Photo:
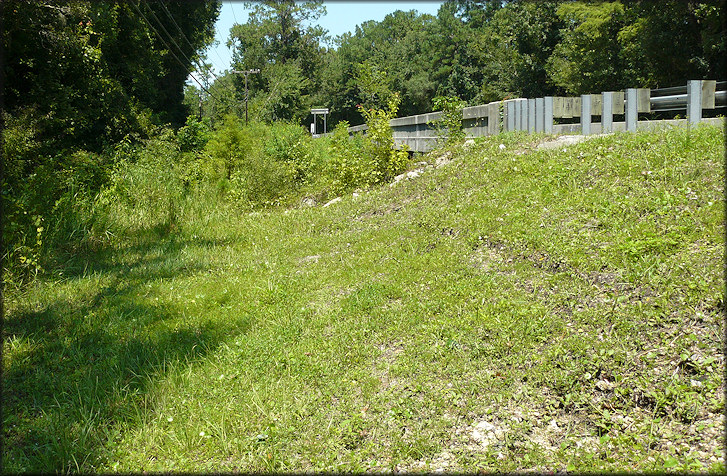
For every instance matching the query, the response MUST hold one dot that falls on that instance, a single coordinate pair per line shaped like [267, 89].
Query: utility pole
[246, 72]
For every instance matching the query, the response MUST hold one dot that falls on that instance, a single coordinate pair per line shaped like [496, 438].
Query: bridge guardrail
[540, 114]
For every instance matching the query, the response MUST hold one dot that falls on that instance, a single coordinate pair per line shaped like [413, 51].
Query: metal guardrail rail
[675, 98]
[419, 133]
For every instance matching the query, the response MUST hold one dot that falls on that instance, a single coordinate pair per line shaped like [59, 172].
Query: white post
[585, 114]
[607, 113]
[632, 115]
[510, 115]
[493, 118]
[531, 115]
[548, 115]
[539, 114]
[694, 101]
[523, 114]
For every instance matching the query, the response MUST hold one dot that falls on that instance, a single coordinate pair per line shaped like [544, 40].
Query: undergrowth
[515, 309]
[79, 201]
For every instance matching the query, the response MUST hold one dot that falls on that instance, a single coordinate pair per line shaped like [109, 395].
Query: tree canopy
[87, 73]
[476, 50]
[278, 40]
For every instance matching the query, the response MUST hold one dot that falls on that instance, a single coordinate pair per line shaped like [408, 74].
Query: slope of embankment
[514, 308]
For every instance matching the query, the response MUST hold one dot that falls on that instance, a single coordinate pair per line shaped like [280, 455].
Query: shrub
[230, 144]
[449, 127]
[290, 144]
[145, 189]
[193, 136]
[349, 166]
[379, 141]
[251, 175]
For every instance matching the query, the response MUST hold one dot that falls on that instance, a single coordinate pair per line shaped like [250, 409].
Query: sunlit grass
[570, 298]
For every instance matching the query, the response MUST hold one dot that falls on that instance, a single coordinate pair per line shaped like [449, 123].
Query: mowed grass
[515, 309]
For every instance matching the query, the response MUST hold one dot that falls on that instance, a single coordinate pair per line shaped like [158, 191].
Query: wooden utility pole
[246, 72]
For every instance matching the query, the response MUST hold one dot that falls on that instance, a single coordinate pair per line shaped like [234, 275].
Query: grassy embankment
[514, 309]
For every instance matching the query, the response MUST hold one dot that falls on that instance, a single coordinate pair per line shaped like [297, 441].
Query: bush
[349, 166]
[379, 142]
[45, 197]
[193, 136]
[261, 164]
[449, 127]
[290, 144]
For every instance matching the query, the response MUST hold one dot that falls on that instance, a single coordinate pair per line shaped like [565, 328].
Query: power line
[170, 50]
[232, 8]
[271, 95]
[233, 11]
[166, 10]
[185, 36]
[216, 52]
[172, 39]
[177, 58]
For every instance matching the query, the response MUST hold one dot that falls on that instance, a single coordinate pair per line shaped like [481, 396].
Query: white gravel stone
[335, 200]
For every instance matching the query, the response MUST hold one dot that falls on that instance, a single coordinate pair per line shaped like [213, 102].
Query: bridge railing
[610, 111]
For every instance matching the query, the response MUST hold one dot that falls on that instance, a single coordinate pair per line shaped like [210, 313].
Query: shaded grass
[519, 287]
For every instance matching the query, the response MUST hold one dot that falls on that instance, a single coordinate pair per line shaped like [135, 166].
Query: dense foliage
[137, 199]
[82, 80]
[476, 50]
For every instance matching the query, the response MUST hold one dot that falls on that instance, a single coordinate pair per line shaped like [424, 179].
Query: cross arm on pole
[246, 72]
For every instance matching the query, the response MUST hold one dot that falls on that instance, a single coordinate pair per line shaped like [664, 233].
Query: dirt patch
[389, 354]
[565, 141]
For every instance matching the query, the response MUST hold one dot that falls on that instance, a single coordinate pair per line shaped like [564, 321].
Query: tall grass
[82, 201]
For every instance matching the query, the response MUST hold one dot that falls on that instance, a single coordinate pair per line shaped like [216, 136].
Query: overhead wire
[200, 68]
[222, 39]
[169, 14]
[170, 50]
[191, 62]
[233, 11]
[146, 20]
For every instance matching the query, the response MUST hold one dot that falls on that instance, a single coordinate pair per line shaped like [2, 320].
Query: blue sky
[342, 16]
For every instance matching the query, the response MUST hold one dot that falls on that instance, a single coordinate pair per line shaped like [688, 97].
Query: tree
[613, 45]
[80, 77]
[520, 38]
[667, 43]
[398, 46]
[288, 53]
[88, 69]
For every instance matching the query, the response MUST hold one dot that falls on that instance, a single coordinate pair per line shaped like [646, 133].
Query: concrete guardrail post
[548, 114]
[632, 115]
[523, 114]
[694, 101]
[510, 115]
[539, 114]
[531, 115]
[607, 113]
[493, 118]
[585, 114]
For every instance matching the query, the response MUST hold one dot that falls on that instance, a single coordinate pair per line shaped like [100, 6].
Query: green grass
[572, 299]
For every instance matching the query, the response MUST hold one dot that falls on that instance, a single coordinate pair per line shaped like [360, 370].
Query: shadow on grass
[87, 364]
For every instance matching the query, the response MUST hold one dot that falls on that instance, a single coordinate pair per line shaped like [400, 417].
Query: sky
[342, 16]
